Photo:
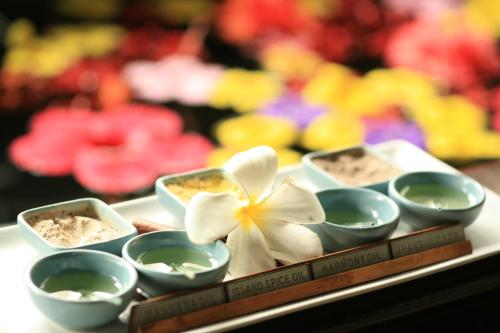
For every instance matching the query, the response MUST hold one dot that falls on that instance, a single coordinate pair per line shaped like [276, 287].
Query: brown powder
[357, 169]
[69, 230]
[187, 188]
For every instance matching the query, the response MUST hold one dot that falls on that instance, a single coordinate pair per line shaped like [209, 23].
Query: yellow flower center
[251, 214]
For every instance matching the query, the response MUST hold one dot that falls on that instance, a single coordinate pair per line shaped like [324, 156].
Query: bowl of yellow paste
[176, 191]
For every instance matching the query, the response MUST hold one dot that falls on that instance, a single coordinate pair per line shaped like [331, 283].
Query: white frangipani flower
[263, 227]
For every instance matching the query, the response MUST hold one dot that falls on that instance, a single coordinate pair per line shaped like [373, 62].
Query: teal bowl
[419, 216]
[74, 314]
[170, 201]
[379, 208]
[324, 180]
[155, 282]
[93, 206]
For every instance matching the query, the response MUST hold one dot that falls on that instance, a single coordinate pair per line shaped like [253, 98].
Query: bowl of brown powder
[357, 166]
[78, 224]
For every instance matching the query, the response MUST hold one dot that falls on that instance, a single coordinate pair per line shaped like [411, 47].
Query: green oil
[351, 219]
[436, 196]
[177, 259]
[81, 285]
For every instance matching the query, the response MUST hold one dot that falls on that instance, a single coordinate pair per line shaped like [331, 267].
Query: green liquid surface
[351, 219]
[81, 285]
[436, 196]
[177, 259]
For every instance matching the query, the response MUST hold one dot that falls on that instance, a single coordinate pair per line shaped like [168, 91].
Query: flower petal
[291, 243]
[114, 170]
[255, 170]
[249, 251]
[210, 216]
[292, 203]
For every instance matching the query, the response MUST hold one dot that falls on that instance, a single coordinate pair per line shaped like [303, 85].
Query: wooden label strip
[267, 281]
[157, 309]
[427, 239]
[330, 272]
[338, 263]
[312, 288]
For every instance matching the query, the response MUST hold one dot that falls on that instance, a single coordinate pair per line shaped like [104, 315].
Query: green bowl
[81, 315]
[336, 237]
[419, 216]
[103, 211]
[156, 282]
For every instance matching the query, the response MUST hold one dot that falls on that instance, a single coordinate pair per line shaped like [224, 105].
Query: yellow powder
[69, 230]
[187, 188]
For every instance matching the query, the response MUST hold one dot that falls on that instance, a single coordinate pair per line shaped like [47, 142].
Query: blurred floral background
[101, 97]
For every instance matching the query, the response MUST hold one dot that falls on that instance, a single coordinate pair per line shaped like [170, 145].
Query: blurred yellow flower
[319, 8]
[221, 155]
[450, 114]
[484, 15]
[247, 131]
[381, 88]
[51, 54]
[456, 129]
[330, 86]
[93, 40]
[244, 90]
[94, 9]
[182, 11]
[475, 145]
[19, 32]
[290, 61]
[337, 87]
[333, 130]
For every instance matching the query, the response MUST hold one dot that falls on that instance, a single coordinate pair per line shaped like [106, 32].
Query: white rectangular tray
[18, 314]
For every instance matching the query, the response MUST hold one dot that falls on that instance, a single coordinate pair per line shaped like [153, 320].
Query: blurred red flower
[358, 28]
[19, 90]
[242, 21]
[457, 56]
[152, 42]
[121, 150]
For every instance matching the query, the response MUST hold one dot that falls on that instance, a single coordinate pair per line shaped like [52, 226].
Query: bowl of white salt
[86, 223]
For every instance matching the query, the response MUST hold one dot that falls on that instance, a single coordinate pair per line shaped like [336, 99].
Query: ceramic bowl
[156, 282]
[419, 216]
[379, 207]
[324, 180]
[81, 315]
[87, 205]
[172, 202]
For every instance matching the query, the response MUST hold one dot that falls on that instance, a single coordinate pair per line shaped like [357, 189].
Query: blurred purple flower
[293, 107]
[380, 131]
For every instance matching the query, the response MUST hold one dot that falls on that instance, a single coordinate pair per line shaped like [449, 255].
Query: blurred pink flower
[121, 150]
[458, 57]
[181, 78]
[424, 8]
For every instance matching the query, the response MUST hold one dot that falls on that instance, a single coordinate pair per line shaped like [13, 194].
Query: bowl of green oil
[428, 199]
[167, 261]
[354, 217]
[81, 289]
